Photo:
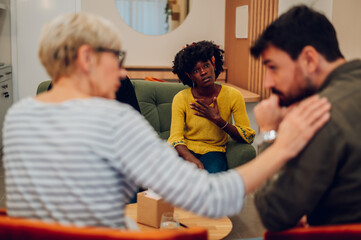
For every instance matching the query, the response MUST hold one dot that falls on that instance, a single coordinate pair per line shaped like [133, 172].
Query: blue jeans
[213, 162]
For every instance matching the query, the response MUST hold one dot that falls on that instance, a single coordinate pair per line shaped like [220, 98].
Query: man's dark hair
[299, 27]
[186, 59]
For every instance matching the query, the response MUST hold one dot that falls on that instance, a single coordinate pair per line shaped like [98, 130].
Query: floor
[246, 224]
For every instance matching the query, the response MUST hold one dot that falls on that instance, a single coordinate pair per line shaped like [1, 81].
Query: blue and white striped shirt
[79, 161]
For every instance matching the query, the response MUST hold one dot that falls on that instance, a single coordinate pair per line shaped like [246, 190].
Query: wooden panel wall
[262, 12]
[243, 70]
[236, 50]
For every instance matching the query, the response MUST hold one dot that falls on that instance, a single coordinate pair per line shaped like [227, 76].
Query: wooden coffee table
[217, 228]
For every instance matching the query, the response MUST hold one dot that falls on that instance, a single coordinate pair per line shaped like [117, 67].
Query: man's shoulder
[343, 83]
[343, 92]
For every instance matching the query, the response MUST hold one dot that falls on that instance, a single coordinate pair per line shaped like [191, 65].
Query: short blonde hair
[62, 37]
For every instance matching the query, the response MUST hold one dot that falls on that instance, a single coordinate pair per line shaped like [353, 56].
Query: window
[145, 16]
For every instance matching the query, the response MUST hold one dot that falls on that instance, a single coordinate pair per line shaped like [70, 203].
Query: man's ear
[85, 58]
[310, 59]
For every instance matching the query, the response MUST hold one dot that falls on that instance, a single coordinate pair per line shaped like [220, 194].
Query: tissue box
[150, 209]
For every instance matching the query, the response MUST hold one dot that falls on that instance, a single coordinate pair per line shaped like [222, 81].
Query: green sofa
[155, 102]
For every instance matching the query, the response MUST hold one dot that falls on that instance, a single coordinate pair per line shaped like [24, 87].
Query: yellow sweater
[201, 135]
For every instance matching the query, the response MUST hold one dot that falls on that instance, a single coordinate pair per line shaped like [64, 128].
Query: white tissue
[151, 194]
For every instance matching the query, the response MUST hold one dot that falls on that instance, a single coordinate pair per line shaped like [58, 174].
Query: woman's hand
[212, 113]
[184, 152]
[301, 123]
[204, 110]
[196, 161]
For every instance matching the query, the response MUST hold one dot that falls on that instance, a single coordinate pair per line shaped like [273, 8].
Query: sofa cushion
[239, 153]
[155, 102]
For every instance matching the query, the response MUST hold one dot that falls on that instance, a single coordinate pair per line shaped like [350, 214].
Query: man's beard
[308, 90]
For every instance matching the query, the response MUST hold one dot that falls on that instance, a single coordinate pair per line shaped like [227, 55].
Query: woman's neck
[63, 89]
[207, 92]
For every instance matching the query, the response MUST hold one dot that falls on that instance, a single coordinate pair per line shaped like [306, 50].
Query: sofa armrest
[12, 228]
[239, 153]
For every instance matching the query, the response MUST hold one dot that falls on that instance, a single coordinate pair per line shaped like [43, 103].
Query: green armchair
[155, 102]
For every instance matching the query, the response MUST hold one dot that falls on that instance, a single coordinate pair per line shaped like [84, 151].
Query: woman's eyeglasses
[118, 53]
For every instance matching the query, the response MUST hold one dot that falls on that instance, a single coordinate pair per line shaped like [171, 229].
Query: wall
[347, 21]
[206, 21]
[142, 50]
[324, 6]
[149, 50]
[6, 95]
[5, 39]
[243, 70]
[28, 18]
[343, 14]
[236, 50]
